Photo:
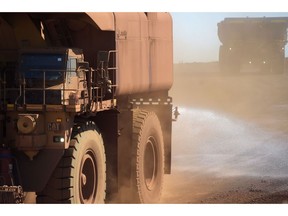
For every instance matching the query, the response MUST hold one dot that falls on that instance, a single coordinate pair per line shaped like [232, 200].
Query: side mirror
[83, 65]
[102, 57]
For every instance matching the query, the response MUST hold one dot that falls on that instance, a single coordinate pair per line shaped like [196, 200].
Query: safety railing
[25, 92]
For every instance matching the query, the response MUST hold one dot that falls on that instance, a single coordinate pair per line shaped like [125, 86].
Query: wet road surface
[230, 143]
[221, 159]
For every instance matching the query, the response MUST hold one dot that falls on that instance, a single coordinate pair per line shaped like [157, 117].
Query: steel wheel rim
[88, 178]
[150, 163]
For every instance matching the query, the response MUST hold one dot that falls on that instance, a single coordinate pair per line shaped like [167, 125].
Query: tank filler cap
[27, 123]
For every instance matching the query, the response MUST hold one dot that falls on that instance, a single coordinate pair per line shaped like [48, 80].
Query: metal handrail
[97, 94]
[23, 88]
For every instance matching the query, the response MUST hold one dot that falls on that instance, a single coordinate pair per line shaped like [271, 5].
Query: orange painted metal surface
[143, 42]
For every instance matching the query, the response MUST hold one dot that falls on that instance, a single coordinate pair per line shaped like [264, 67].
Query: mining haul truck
[85, 111]
[253, 44]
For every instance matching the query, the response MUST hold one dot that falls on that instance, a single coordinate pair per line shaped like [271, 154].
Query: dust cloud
[230, 141]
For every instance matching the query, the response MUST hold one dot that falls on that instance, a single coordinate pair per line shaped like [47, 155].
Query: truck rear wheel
[80, 176]
[147, 158]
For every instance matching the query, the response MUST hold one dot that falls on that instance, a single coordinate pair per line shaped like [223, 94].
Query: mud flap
[36, 173]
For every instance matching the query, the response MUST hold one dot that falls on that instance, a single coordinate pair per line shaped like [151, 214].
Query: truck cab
[35, 96]
[44, 77]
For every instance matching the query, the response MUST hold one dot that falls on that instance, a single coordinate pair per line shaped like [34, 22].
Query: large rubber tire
[147, 158]
[222, 58]
[229, 62]
[278, 64]
[80, 176]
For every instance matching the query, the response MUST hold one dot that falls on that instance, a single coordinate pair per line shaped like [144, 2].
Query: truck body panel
[143, 42]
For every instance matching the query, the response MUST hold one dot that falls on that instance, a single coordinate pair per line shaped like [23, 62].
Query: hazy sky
[195, 34]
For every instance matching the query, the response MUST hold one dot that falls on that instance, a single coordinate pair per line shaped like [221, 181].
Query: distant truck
[253, 44]
[85, 114]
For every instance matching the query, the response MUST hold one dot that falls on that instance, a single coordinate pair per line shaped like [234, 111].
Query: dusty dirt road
[230, 143]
